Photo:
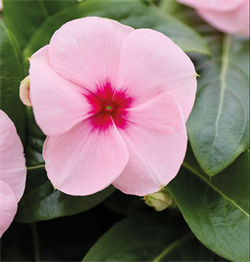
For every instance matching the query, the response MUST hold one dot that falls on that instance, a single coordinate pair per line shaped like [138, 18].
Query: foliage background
[209, 220]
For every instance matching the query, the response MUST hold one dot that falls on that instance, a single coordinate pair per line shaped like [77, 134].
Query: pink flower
[12, 171]
[229, 16]
[113, 102]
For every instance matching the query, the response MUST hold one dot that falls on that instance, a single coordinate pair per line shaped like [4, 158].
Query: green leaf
[40, 201]
[218, 126]
[133, 13]
[24, 17]
[149, 237]
[10, 79]
[54, 6]
[216, 209]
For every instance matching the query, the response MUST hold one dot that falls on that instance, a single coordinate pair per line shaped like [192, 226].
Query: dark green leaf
[216, 209]
[41, 202]
[133, 13]
[218, 126]
[149, 237]
[10, 79]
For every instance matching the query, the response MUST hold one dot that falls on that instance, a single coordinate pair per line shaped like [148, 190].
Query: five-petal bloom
[113, 102]
[12, 171]
[229, 16]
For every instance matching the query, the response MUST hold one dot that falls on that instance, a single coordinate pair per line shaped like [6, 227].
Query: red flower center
[109, 106]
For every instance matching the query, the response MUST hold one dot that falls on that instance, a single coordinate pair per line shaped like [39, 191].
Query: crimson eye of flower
[113, 102]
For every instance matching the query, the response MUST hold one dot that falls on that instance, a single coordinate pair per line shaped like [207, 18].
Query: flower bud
[24, 91]
[159, 200]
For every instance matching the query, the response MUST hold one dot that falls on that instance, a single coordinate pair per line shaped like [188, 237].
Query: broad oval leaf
[218, 126]
[40, 201]
[133, 13]
[149, 237]
[10, 79]
[216, 209]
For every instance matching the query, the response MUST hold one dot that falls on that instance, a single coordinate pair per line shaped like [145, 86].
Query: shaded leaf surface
[10, 78]
[216, 210]
[149, 237]
[218, 126]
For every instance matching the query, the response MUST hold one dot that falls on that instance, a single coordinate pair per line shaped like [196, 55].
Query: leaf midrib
[213, 187]
[171, 247]
[225, 61]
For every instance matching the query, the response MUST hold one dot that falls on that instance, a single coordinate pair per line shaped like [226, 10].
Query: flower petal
[8, 206]
[58, 104]
[213, 5]
[12, 161]
[86, 159]
[151, 64]
[90, 47]
[232, 22]
[156, 140]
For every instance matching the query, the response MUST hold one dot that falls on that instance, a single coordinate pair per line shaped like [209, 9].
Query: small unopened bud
[24, 91]
[159, 200]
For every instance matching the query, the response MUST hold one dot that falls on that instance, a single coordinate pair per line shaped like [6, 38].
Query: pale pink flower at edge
[229, 16]
[12, 171]
[113, 102]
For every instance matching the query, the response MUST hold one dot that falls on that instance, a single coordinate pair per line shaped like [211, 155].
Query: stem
[35, 242]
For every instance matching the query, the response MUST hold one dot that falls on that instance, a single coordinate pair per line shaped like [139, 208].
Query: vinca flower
[12, 171]
[113, 102]
[229, 16]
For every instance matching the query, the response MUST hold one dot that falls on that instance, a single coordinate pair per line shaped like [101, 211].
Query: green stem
[35, 167]
[35, 242]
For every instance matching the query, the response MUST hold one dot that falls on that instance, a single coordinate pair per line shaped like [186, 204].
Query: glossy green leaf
[24, 17]
[10, 78]
[218, 126]
[216, 209]
[149, 237]
[133, 13]
[40, 201]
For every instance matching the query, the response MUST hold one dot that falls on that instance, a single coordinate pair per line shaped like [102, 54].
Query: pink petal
[213, 5]
[12, 161]
[232, 22]
[90, 47]
[156, 140]
[58, 104]
[86, 159]
[151, 64]
[8, 206]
